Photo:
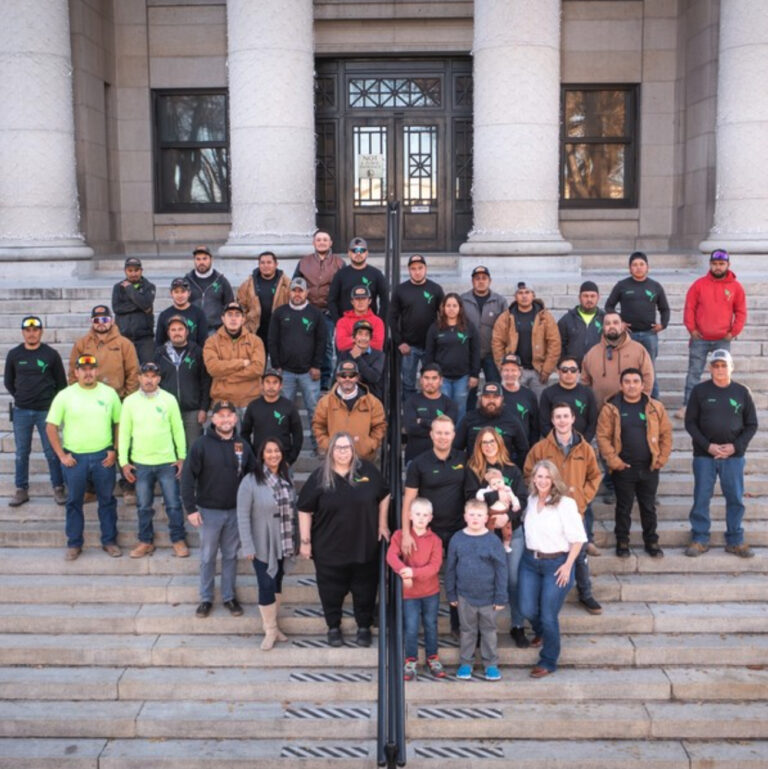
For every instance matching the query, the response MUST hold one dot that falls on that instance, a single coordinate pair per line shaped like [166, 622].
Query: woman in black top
[453, 344]
[343, 510]
[490, 452]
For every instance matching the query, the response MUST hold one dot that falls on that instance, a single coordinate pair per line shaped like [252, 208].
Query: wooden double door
[395, 130]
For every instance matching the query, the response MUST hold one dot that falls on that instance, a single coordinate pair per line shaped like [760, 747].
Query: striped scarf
[285, 498]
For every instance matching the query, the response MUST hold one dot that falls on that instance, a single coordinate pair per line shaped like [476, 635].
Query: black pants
[640, 483]
[335, 581]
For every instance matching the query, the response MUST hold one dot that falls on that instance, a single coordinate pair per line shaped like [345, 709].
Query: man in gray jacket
[482, 307]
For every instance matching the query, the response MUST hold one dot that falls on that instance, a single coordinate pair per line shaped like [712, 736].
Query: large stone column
[741, 197]
[516, 129]
[39, 218]
[272, 131]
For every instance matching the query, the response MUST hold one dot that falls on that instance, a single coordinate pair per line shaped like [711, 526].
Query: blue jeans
[541, 600]
[731, 473]
[650, 340]
[491, 373]
[409, 369]
[698, 349]
[24, 423]
[89, 468]
[165, 475]
[269, 587]
[310, 390]
[513, 577]
[219, 530]
[424, 610]
[457, 390]
[326, 378]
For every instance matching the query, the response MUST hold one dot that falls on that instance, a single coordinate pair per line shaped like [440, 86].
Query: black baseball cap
[180, 283]
[31, 321]
[220, 405]
[101, 311]
[481, 270]
[360, 292]
[132, 261]
[416, 259]
[362, 325]
[273, 372]
[236, 306]
[149, 367]
[510, 357]
[491, 388]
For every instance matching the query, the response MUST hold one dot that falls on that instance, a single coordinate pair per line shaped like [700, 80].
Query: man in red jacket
[715, 313]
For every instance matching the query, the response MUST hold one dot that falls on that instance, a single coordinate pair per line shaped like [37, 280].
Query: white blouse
[554, 528]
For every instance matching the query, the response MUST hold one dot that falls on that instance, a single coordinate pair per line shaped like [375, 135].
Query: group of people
[511, 457]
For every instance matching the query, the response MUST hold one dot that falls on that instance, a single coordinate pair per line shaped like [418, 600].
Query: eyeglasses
[346, 376]
[342, 447]
[359, 250]
[488, 442]
[102, 319]
[31, 323]
[569, 369]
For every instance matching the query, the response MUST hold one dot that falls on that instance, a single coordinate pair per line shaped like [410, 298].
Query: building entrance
[395, 130]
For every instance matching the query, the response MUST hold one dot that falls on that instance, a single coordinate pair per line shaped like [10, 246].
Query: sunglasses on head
[359, 250]
[719, 255]
[102, 319]
[31, 323]
[86, 360]
[569, 369]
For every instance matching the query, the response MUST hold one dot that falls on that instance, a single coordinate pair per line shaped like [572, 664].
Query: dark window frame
[162, 204]
[630, 140]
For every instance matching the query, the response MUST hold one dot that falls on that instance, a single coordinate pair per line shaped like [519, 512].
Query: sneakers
[654, 550]
[591, 605]
[112, 550]
[142, 549]
[19, 498]
[59, 495]
[464, 673]
[180, 549]
[622, 549]
[409, 669]
[743, 550]
[695, 549]
[593, 550]
[234, 607]
[435, 667]
[334, 637]
[73, 553]
[492, 673]
[203, 609]
[519, 637]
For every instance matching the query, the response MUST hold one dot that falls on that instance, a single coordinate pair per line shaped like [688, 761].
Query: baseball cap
[132, 261]
[86, 360]
[480, 270]
[179, 283]
[360, 292]
[721, 355]
[273, 372]
[589, 285]
[491, 388]
[101, 311]
[201, 250]
[416, 259]
[512, 358]
[347, 367]
[31, 321]
[176, 319]
[523, 285]
[357, 243]
[149, 367]
[719, 255]
[219, 405]
[236, 306]
[362, 325]
[299, 283]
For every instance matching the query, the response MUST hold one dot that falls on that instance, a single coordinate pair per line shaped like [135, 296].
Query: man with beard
[519, 399]
[183, 374]
[318, 269]
[261, 293]
[492, 413]
[715, 313]
[358, 272]
[273, 416]
[581, 327]
[412, 312]
[132, 302]
[209, 289]
[422, 408]
[602, 365]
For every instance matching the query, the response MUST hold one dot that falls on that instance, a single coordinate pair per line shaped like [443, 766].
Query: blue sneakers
[464, 673]
[492, 673]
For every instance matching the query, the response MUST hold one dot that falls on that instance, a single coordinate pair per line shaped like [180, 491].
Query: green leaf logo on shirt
[42, 365]
[642, 417]
[650, 294]
[429, 297]
[366, 281]
[278, 416]
[522, 410]
[727, 293]
[462, 336]
[581, 407]
[307, 323]
[191, 325]
[189, 361]
[216, 286]
[598, 325]
[499, 430]
[736, 405]
[438, 412]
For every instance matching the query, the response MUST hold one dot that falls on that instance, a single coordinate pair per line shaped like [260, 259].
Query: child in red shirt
[421, 587]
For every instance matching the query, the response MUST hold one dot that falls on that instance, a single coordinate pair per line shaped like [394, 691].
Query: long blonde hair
[558, 490]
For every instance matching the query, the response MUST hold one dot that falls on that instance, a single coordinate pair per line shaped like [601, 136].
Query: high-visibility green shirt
[88, 416]
[151, 430]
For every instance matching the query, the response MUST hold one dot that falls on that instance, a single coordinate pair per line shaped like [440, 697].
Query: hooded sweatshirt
[715, 307]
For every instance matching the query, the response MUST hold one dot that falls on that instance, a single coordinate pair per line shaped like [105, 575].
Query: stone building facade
[504, 127]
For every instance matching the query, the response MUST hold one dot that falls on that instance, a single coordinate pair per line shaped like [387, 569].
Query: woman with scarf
[266, 518]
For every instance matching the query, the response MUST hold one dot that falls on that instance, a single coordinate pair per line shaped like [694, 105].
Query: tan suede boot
[280, 635]
[269, 623]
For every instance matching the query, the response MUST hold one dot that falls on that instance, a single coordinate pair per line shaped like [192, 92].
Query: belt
[546, 556]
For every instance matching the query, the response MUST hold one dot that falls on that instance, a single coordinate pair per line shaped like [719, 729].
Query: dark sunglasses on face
[346, 376]
[569, 369]
[359, 250]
